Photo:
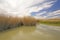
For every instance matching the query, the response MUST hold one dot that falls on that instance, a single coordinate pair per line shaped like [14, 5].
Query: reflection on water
[31, 33]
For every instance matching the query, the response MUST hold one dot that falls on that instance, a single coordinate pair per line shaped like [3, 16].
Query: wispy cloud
[25, 7]
[42, 6]
[54, 14]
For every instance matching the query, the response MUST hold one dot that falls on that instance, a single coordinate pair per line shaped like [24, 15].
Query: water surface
[40, 32]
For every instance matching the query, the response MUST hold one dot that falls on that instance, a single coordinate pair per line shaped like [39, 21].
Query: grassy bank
[52, 24]
[49, 22]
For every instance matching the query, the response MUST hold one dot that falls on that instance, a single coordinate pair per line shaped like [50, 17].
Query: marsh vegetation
[12, 22]
[52, 22]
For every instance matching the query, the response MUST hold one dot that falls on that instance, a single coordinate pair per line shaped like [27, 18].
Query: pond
[40, 32]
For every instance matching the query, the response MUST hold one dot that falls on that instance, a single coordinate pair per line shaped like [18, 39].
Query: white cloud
[41, 13]
[20, 7]
[42, 6]
[40, 17]
[45, 5]
[54, 13]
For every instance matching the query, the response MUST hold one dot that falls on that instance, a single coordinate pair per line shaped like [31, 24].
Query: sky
[36, 8]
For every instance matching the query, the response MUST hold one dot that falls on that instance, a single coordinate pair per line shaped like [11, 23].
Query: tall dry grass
[12, 22]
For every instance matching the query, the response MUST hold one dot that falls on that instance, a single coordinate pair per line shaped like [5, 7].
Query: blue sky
[53, 8]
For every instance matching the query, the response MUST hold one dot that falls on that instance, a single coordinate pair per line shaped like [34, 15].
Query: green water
[29, 33]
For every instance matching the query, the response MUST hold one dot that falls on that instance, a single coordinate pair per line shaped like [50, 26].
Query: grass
[52, 23]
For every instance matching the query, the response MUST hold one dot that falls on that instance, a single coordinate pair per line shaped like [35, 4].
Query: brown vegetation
[12, 22]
